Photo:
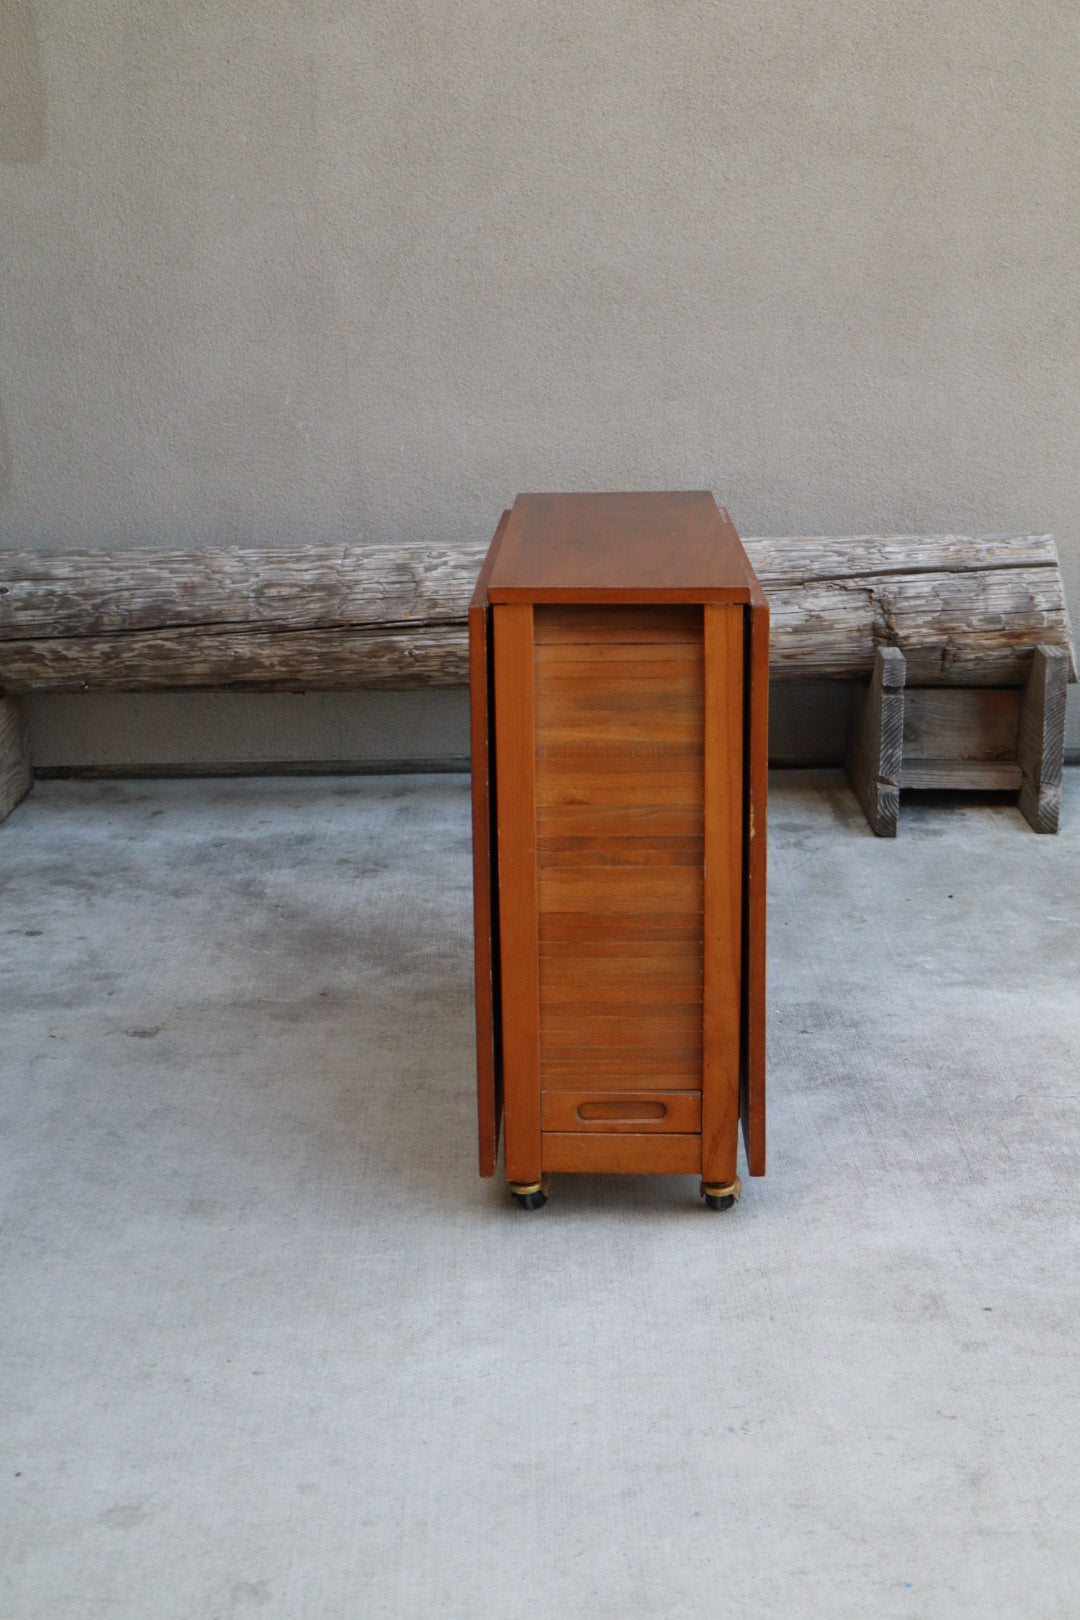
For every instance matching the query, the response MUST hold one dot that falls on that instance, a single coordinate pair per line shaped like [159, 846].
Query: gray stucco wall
[277, 272]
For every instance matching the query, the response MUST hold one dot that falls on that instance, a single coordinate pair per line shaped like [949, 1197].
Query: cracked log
[965, 611]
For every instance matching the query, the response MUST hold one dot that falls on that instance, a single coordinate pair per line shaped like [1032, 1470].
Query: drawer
[606, 1111]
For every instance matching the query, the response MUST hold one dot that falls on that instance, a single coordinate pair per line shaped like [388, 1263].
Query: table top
[676, 546]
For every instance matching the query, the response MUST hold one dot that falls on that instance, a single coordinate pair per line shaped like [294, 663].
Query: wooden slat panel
[611, 1153]
[620, 787]
[518, 935]
[723, 890]
[590, 1111]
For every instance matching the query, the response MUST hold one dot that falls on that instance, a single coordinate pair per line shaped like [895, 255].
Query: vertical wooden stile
[16, 776]
[485, 877]
[723, 891]
[756, 766]
[515, 748]
[876, 742]
[1042, 738]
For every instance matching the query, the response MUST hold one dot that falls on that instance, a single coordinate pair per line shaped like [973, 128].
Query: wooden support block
[16, 777]
[1042, 738]
[876, 742]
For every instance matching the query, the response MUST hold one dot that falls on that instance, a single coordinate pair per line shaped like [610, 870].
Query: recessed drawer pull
[631, 1109]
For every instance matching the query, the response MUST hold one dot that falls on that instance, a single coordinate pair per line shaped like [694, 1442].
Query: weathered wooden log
[305, 619]
[337, 659]
[100, 593]
[965, 610]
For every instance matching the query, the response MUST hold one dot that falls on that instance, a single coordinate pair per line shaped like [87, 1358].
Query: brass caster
[721, 1194]
[531, 1194]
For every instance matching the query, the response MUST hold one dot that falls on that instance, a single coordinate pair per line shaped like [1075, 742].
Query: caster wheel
[531, 1194]
[530, 1200]
[721, 1196]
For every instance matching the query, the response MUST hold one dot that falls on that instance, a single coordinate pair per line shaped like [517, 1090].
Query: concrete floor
[271, 1347]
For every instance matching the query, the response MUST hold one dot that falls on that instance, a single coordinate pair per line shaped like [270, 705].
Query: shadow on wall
[22, 88]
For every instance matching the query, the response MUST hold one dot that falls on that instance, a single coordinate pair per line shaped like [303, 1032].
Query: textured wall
[274, 271]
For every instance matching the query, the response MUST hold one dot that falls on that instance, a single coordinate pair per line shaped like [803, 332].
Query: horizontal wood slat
[966, 610]
[623, 978]
[570, 927]
[638, 1068]
[612, 1152]
[612, 890]
[630, 627]
[573, 850]
[988, 775]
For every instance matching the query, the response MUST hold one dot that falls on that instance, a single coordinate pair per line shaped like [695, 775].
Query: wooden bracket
[876, 742]
[16, 777]
[982, 737]
[1041, 750]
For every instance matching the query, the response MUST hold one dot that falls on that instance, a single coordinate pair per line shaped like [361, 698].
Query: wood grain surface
[627, 1153]
[876, 742]
[961, 723]
[620, 839]
[723, 895]
[485, 878]
[579, 1111]
[755, 886]
[515, 815]
[648, 547]
[16, 776]
[966, 609]
[1041, 743]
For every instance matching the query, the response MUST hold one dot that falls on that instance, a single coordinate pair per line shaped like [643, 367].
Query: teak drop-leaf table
[619, 664]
